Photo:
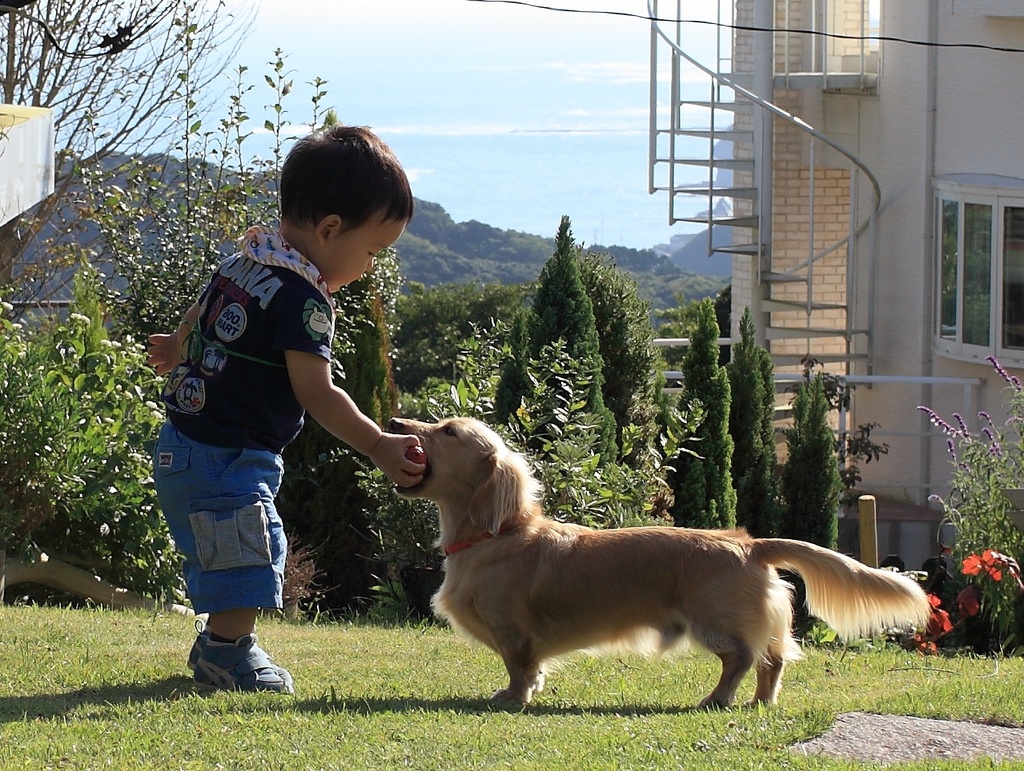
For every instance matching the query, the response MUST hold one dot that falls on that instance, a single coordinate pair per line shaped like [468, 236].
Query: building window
[980, 244]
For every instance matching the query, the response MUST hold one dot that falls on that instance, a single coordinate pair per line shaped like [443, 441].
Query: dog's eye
[450, 430]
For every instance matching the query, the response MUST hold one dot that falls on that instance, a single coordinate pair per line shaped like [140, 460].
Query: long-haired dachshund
[532, 588]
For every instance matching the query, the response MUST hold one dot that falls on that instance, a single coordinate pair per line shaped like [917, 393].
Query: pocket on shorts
[231, 532]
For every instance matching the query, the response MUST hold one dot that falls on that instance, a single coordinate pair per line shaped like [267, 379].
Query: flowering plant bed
[966, 604]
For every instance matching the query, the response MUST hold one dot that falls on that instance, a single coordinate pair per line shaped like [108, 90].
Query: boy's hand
[389, 456]
[164, 353]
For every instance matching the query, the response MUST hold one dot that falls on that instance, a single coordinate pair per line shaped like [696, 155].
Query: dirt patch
[896, 738]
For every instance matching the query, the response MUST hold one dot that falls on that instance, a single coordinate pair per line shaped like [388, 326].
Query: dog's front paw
[712, 702]
[507, 694]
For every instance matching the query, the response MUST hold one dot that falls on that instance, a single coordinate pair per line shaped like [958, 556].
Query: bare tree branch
[128, 103]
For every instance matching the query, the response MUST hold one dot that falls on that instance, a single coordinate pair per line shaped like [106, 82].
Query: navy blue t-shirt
[234, 390]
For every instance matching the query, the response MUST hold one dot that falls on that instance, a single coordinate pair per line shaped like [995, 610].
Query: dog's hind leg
[737, 659]
[781, 645]
[769, 677]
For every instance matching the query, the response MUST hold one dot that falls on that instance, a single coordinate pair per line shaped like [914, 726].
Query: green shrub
[852, 446]
[566, 441]
[432, 323]
[561, 313]
[76, 424]
[321, 499]
[631, 377]
[752, 428]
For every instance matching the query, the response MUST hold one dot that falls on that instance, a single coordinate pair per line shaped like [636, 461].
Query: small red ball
[415, 454]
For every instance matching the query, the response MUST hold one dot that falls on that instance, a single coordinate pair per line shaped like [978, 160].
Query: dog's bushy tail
[852, 598]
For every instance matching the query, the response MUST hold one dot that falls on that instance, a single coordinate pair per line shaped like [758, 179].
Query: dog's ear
[501, 494]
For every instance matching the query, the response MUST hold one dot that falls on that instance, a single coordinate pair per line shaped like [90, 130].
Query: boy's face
[342, 255]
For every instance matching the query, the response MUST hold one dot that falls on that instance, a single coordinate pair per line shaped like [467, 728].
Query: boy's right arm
[334, 409]
[168, 351]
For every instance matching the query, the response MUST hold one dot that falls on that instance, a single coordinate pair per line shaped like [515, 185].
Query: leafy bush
[321, 498]
[562, 313]
[984, 466]
[433, 323]
[854, 446]
[632, 382]
[76, 424]
[579, 485]
[961, 597]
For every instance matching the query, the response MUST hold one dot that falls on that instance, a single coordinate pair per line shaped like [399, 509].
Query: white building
[26, 158]
[878, 190]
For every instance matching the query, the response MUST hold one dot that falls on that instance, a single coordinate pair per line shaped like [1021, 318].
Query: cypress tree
[811, 485]
[752, 427]
[562, 311]
[632, 383]
[514, 383]
[704, 494]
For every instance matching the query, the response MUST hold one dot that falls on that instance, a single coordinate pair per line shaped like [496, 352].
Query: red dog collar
[461, 545]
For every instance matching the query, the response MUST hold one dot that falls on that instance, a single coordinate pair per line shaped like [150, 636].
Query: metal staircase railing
[789, 315]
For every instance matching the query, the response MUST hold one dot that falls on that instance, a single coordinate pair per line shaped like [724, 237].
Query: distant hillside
[437, 250]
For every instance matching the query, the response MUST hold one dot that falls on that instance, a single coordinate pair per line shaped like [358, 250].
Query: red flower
[968, 602]
[938, 623]
[972, 565]
[989, 563]
[925, 646]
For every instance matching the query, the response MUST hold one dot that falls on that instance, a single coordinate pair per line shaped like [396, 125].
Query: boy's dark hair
[344, 170]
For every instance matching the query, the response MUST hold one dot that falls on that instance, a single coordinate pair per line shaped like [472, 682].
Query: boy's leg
[203, 630]
[219, 505]
[232, 624]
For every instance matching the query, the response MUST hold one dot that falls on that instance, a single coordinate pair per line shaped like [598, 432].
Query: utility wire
[752, 28]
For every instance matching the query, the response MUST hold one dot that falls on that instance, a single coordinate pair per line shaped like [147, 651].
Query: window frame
[998, 193]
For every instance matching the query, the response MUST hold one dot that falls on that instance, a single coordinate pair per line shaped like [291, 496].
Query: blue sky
[550, 109]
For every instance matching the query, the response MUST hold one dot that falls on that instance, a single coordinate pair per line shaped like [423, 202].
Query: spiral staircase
[793, 207]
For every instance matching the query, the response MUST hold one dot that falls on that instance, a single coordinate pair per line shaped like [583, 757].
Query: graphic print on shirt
[230, 323]
[188, 393]
[317, 317]
[215, 357]
[258, 281]
[191, 394]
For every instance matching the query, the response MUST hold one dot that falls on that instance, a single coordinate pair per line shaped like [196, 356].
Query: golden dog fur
[532, 588]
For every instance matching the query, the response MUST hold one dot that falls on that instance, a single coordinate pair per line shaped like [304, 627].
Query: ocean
[527, 181]
[513, 131]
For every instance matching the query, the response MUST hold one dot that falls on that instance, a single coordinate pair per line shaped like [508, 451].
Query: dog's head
[471, 471]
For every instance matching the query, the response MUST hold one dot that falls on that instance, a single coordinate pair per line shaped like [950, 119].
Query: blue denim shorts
[219, 507]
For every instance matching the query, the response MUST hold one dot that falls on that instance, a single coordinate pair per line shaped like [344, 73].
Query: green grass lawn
[102, 689]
